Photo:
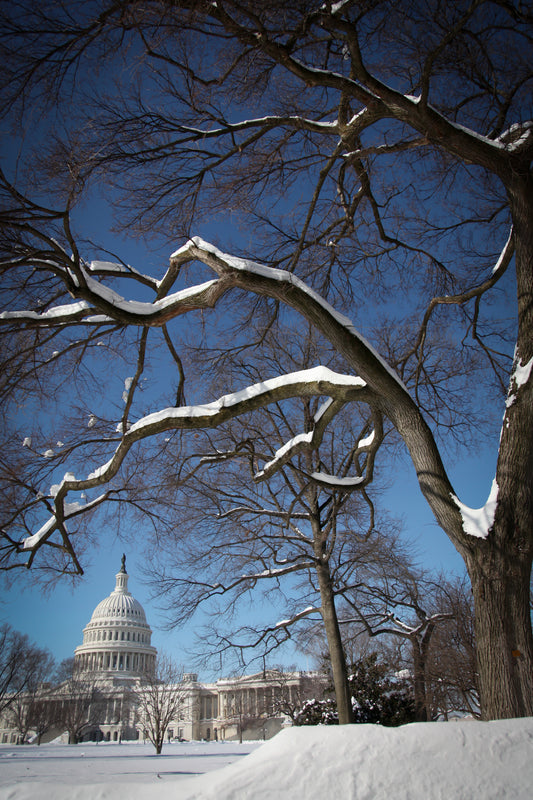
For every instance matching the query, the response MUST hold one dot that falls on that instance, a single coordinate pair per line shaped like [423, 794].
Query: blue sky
[55, 620]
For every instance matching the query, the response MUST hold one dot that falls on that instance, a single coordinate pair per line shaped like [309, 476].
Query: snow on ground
[112, 764]
[449, 761]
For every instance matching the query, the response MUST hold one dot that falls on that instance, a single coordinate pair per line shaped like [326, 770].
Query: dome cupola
[116, 641]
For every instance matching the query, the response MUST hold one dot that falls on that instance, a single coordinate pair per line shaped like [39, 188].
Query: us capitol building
[117, 654]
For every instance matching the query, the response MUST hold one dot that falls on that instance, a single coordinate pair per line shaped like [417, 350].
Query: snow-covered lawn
[453, 761]
[112, 764]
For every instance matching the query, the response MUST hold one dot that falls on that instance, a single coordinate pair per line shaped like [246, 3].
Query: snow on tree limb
[477, 522]
[286, 623]
[253, 577]
[63, 513]
[376, 382]
[98, 303]
[116, 307]
[325, 479]
[315, 381]
[291, 290]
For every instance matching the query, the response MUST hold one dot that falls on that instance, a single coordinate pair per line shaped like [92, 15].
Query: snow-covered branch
[316, 381]
[250, 579]
[286, 623]
[106, 305]
[375, 383]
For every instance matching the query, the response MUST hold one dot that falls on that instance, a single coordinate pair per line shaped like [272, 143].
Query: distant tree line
[37, 695]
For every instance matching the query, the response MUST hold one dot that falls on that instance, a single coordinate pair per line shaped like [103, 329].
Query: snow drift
[422, 761]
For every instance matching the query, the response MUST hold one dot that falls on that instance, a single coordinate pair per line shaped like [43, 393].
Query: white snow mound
[490, 760]
[424, 761]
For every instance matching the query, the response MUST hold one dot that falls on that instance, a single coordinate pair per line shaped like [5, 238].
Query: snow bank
[424, 761]
[367, 762]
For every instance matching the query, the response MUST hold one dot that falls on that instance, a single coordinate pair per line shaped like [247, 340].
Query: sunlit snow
[31, 541]
[301, 438]
[313, 375]
[334, 480]
[367, 441]
[422, 761]
[247, 265]
[322, 410]
[520, 377]
[478, 521]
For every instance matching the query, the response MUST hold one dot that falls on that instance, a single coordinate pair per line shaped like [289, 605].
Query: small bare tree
[159, 699]
[42, 715]
[401, 603]
[452, 679]
[289, 697]
[241, 716]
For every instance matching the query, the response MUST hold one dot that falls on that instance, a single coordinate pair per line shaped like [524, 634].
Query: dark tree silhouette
[379, 151]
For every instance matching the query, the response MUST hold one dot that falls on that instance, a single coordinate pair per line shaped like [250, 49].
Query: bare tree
[385, 154]
[433, 616]
[22, 667]
[399, 601]
[77, 701]
[419, 622]
[239, 713]
[252, 709]
[42, 715]
[27, 712]
[160, 699]
[289, 698]
[451, 670]
[292, 539]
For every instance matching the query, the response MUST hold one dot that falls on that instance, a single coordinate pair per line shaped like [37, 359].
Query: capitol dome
[116, 641]
[119, 604]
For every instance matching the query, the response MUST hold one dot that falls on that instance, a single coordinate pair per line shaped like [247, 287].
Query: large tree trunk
[336, 650]
[500, 566]
[504, 642]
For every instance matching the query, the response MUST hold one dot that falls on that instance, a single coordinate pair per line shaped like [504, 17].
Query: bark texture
[336, 650]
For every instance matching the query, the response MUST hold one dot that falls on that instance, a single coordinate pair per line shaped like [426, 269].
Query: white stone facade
[117, 640]
[117, 652]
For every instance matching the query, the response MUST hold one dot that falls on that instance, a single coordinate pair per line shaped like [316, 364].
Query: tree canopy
[369, 167]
